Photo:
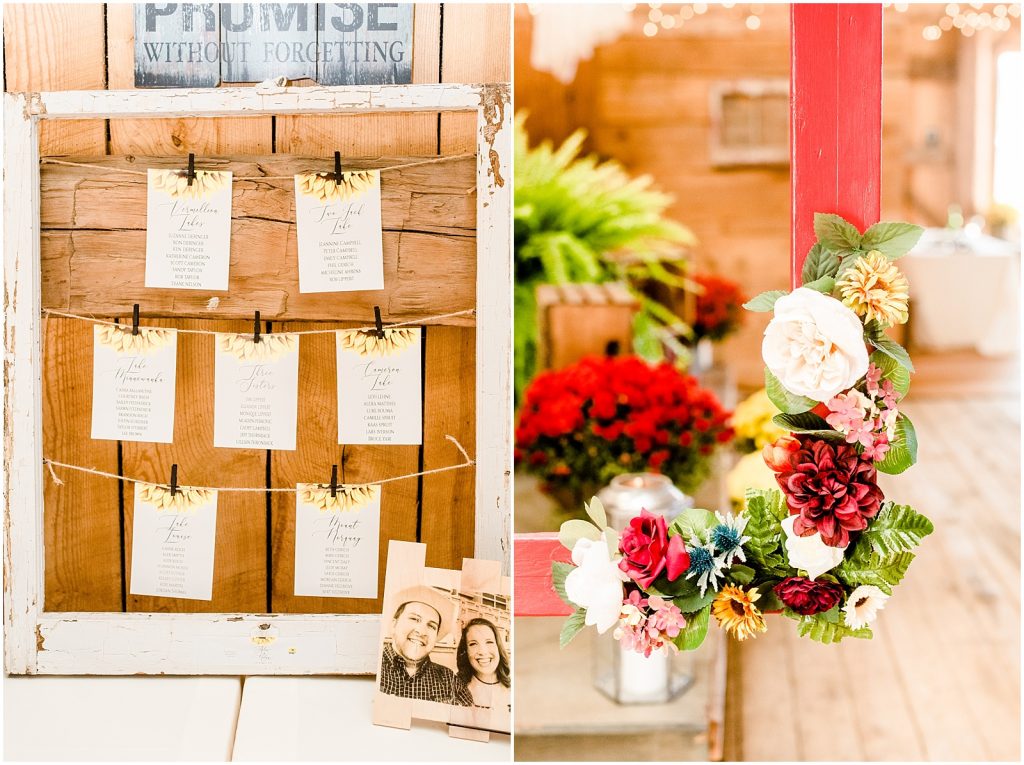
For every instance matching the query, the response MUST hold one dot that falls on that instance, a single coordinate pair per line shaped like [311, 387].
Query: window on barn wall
[750, 123]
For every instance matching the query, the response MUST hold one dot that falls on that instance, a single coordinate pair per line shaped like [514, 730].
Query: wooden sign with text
[201, 45]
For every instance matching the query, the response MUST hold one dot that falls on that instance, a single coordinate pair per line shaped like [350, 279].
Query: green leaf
[765, 301]
[893, 350]
[768, 600]
[576, 529]
[902, 449]
[741, 574]
[787, 402]
[692, 635]
[835, 233]
[572, 627]
[896, 529]
[808, 422]
[819, 263]
[683, 592]
[559, 571]
[611, 539]
[824, 629]
[892, 238]
[893, 371]
[692, 523]
[884, 573]
[765, 509]
[596, 512]
[824, 285]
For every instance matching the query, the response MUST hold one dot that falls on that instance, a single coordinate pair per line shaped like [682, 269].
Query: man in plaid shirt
[421, 619]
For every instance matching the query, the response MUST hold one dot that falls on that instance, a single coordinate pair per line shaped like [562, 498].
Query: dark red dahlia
[806, 596]
[831, 488]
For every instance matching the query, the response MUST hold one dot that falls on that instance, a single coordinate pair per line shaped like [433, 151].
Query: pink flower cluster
[861, 419]
[648, 624]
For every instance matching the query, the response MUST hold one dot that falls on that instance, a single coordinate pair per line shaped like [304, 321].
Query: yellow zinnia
[752, 422]
[875, 289]
[736, 613]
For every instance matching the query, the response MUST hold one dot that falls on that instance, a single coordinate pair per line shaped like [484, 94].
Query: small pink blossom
[874, 374]
[667, 619]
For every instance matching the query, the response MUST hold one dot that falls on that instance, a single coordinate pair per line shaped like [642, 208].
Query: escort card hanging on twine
[133, 383]
[173, 538]
[380, 386]
[337, 539]
[339, 230]
[188, 229]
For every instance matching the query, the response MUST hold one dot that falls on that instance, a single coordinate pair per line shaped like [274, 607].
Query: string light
[753, 22]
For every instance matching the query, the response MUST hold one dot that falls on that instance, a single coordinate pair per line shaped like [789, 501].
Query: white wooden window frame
[39, 642]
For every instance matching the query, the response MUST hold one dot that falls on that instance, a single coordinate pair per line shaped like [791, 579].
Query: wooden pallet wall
[93, 255]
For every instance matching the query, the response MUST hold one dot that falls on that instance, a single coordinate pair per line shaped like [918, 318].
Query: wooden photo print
[444, 645]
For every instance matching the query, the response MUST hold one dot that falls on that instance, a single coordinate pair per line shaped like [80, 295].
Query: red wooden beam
[835, 117]
[534, 593]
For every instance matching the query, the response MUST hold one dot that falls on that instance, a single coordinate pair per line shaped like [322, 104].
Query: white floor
[216, 719]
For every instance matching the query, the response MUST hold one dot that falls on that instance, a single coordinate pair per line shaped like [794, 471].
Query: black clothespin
[337, 167]
[191, 173]
[135, 319]
[256, 328]
[334, 480]
[377, 321]
[174, 479]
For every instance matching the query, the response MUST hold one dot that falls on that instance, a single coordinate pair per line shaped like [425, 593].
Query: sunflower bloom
[875, 289]
[736, 613]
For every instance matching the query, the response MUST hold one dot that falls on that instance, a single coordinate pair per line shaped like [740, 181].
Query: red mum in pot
[808, 597]
[831, 488]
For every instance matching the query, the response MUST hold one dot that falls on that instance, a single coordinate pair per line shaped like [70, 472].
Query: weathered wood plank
[447, 523]
[258, 24]
[57, 46]
[158, 25]
[81, 517]
[240, 563]
[317, 450]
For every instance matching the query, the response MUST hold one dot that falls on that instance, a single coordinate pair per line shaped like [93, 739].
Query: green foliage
[808, 422]
[692, 523]
[893, 371]
[559, 571]
[595, 509]
[819, 263]
[828, 627]
[570, 213]
[683, 592]
[741, 574]
[897, 529]
[787, 402]
[766, 509]
[696, 629]
[576, 529]
[871, 568]
[765, 301]
[835, 234]
[572, 627]
[768, 600]
[902, 449]
[824, 285]
[892, 238]
[892, 349]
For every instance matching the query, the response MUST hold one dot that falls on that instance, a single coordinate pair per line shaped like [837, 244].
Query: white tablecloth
[965, 293]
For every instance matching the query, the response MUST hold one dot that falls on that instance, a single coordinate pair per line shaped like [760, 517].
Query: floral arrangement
[719, 307]
[583, 425]
[824, 547]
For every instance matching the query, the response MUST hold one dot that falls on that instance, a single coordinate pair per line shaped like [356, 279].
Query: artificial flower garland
[825, 548]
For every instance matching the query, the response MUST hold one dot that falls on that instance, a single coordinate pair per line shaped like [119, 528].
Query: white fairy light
[1014, 10]
[999, 11]
[931, 33]
[753, 22]
[967, 31]
[686, 13]
[668, 22]
[650, 29]
[700, 8]
[952, 9]
[655, 15]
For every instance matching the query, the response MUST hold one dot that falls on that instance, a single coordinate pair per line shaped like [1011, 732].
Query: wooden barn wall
[645, 102]
[87, 520]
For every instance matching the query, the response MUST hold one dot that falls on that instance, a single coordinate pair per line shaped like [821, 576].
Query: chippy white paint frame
[36, 642]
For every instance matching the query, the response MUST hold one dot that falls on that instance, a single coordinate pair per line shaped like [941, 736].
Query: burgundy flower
[647, 550]
[806, 596]
[831, 488]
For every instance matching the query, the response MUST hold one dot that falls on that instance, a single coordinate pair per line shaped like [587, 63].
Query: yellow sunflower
[185, 499]
[875, 289]
[175, 183]
[325, 188]
[736, 613]
[347, 496]
[122, 340]
[268, 348]
[366, 343]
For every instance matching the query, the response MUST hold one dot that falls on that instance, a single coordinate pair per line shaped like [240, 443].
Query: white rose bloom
[863, 606]
[814, 345]
[596, 584]
[810, 553]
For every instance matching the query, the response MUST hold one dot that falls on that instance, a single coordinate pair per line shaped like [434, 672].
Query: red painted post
[835, 118]
[534, 593]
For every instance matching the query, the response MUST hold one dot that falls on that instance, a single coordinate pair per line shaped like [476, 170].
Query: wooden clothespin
[135, 319]
[334, 480]
[377, 321]
[337, 167]
[174, 479]
[191, 173]
[256, 328]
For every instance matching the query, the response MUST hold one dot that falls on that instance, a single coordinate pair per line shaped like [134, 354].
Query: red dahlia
[832, 489]
[806, 596]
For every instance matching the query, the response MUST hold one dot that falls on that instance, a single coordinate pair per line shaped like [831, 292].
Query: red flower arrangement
[719, 307]
[581, 426]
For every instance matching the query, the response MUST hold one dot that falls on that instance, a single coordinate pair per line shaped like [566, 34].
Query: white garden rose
[814, 345]
[596, 584]
[810, 553]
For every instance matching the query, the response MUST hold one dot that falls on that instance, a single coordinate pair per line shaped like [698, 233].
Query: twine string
[411, 322]
[50, 464]
[129, 171]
